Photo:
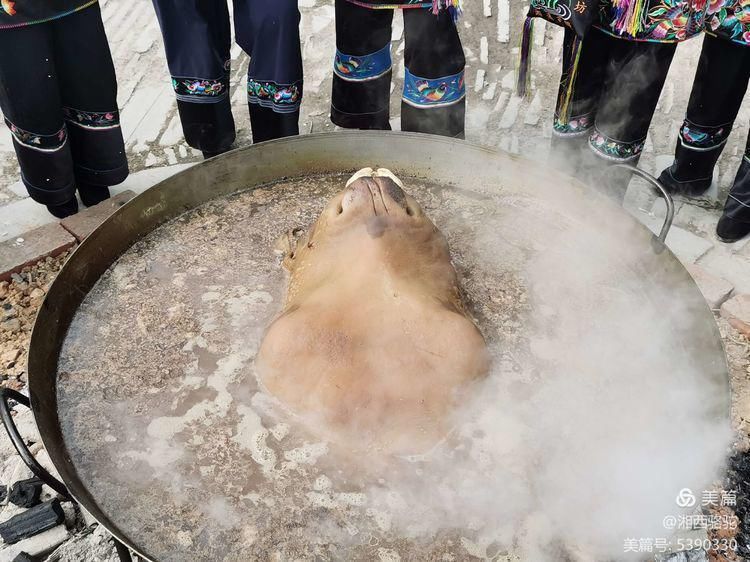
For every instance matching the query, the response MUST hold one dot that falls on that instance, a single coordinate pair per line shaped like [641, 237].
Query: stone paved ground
[490, 33]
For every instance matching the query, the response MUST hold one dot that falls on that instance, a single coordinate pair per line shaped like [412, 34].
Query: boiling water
[181, 448]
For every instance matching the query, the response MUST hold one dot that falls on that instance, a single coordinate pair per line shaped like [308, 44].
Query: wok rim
[161, 203]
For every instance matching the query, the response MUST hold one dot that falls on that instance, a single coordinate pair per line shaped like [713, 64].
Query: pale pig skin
[374, 346]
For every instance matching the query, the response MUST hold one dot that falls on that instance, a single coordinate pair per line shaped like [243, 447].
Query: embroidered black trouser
[434, 96]
[197, 38]
[718, 90]
[615, 96]
[58, 94]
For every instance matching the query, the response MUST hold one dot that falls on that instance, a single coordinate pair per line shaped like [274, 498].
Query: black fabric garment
[433, 51]
[58, 94]
[735, 220]
[618, 87]
[719, 87]
[197, 39]
[17, 13]
[363, 104]
[576, 15]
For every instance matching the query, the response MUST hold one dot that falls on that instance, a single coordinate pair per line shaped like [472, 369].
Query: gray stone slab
[714, 289]
[48, 240]
[85, 222]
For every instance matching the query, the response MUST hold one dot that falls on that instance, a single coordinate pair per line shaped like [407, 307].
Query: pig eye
[340, 209]
[409, 211]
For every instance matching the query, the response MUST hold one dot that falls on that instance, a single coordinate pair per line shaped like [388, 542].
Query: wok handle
[662, 191]
[39, 471]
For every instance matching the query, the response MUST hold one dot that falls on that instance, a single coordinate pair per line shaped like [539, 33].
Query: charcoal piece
[32, 521]
[3, 492]
[26, 493]
[23, 557]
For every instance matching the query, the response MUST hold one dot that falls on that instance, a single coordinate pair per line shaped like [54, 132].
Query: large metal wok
[477, 172]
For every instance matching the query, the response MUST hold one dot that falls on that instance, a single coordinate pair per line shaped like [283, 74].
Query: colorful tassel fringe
[453, 7]
[628, 16]
[565, 103]
[524, 76]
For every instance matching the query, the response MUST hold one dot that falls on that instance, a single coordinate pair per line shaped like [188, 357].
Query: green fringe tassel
[565, 102]
[523, 81]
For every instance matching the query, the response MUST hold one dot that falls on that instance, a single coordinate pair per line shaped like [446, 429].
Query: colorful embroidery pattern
[207, 90]
[8, 7]
[44, 143]
[576, 15]
[388, 5]
[92, 119]
[703, 138]
[438, 92]
[14, 13]
[661, 21]
[730, 19]
[577, 126]
[615, 150]
[556, 9]
[282, 98]
[365, 67]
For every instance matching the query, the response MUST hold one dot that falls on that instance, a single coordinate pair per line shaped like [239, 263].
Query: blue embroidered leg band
[426, 93]
[697, 137]
[365, 67]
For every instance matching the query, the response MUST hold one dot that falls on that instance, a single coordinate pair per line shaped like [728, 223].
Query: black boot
[93, 194]
[268, 125]
[734, 223]
[210, 154]
[64, 210]
[696, 154]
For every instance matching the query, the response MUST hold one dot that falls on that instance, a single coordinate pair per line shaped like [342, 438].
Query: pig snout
[378, 191]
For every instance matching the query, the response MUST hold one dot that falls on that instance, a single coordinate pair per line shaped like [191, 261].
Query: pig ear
[286, 245]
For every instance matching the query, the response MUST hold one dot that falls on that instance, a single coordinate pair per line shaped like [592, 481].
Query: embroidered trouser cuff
[360, 97]
[63, 116]
[617, 89]
[719, 87]
[46, 164]
[433, 99]
[197, 37]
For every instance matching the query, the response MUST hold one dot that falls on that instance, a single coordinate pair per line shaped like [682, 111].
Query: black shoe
[210, 154]
[735, 220]
[64, 210]
[93, 194]
[694, 188]
[731, 230]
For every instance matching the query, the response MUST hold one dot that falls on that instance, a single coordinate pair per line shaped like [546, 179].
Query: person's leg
[197, 38]
[718, 89]
[571, 135]
[88, 88]
[361, 93]
[269, 33]
[634, 80]
[434, 98]
[735, 220]
[30, 101]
